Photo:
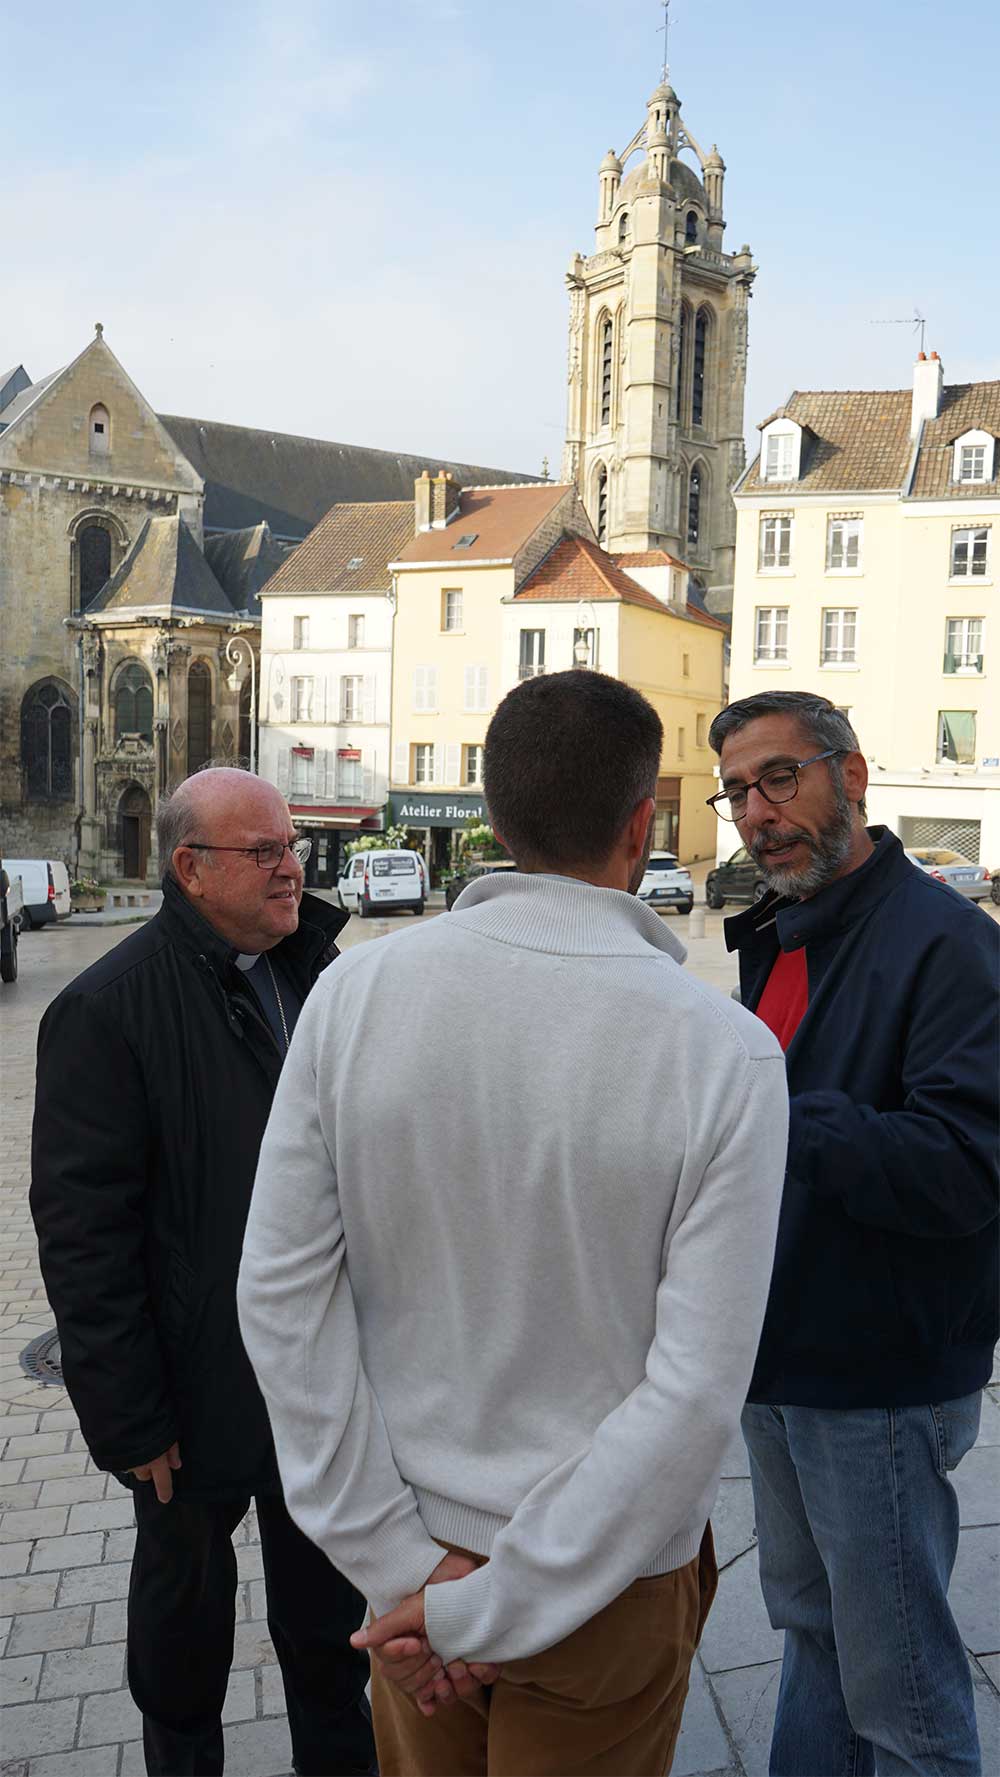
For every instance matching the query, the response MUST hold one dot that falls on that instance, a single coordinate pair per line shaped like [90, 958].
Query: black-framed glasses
[266, 856]
[780, 784]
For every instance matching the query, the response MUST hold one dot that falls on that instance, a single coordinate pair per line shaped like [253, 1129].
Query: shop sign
[412, 809]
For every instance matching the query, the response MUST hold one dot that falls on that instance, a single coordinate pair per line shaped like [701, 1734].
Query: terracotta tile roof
[965, 407]
[579, 569]
[501, 519]
[368, 533]
[858, 441]
[649, 558]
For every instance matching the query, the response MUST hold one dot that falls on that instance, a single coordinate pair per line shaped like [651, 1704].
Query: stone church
[132, 549]
[657, 356]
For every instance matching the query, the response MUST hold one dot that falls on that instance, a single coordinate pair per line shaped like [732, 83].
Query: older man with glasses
[881, 986]
[156, 1071]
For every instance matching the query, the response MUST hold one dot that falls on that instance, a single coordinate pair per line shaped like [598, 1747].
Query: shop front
[433, 820]
[331, 830]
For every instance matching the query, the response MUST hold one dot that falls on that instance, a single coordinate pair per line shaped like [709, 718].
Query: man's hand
[159, 1472]
[398, 1640]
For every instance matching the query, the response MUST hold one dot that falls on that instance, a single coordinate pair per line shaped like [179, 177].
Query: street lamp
[235, 656]
[583, 654]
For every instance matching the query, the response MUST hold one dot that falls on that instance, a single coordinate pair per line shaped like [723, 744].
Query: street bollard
[696, 922]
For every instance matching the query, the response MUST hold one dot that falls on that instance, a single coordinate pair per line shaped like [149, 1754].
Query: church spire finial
[99, 329]
[665, 28]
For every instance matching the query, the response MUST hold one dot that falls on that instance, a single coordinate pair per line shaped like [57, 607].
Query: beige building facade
[866, 569]
[657, 354]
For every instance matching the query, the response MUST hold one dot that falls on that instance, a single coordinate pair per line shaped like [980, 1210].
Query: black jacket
[156, 1073]
[885, 1281]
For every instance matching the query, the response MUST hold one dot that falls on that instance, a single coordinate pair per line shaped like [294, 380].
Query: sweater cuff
[404, 1567]
[455, 1616]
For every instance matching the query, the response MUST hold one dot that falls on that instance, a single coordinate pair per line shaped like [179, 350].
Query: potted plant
[86, 895]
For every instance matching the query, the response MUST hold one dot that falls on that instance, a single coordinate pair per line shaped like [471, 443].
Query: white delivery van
[383, 879]
[45, 888]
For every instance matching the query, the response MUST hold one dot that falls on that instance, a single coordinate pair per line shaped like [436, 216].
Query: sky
[354, 222]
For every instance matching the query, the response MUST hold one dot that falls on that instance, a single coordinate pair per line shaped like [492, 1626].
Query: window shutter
[482, 687]
[368, 777]
[437, 764]
[319, 708]
[453, 764]
[400, 763]
[321, 769]
[432, 688]
[368, 698]
[420, 688]
[284, 772]
[470, 687]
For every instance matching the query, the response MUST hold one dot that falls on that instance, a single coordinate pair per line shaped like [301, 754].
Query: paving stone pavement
[65, 1535]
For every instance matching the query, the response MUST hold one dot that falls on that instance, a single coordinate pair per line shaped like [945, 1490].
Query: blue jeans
[858, 1528]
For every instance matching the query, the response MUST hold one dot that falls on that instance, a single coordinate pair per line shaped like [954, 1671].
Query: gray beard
[830, 851]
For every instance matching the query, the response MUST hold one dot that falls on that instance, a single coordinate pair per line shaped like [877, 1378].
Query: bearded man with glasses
[156, 1071]
[881, 986]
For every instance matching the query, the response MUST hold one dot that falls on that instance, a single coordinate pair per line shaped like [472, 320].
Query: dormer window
[100, 431]
[973, 457]
[691, 228]
[780, 458]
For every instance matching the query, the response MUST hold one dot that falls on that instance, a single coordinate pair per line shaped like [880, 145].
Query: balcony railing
[530, 670]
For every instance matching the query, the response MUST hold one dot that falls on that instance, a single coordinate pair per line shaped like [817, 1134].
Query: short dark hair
[568, 758]
[820, 719]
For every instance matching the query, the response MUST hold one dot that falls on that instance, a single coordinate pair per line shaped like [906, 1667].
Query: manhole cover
[42, 1359]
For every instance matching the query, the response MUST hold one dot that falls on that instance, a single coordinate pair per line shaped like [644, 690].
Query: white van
[390, 879]
[45, 887]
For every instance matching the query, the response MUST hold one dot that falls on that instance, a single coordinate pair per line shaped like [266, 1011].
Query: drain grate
[42, 1359]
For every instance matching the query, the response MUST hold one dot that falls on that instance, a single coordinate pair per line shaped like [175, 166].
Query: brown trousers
[606, 1702]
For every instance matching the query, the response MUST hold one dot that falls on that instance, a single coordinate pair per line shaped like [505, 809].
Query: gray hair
[821, 720]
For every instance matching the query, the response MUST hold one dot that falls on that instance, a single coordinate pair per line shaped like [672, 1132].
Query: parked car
[458, 883]
[945, 865]
[45, 888]
[995, 889]
[383, 880]
[10, 923]
[667, 883]
[738, 879]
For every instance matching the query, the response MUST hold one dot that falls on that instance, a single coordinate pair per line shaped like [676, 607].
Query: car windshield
[927, 855]
[662, 864]
[740, 857]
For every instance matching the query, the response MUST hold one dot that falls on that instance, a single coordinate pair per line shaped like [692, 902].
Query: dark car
[738, 879]
[462, 881]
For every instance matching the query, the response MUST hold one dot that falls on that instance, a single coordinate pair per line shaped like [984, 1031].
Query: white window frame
[303, 699]
[769, 533]
[356, 629]
[973, 445]
[780, 457]
[940, 756]
[472, 764]
[352, 698]
[834, 655]
[845, 528]
[531, 661]
[303, 771]
[423, 762]
[778, 616]
[967, 574]
[300, 634]
[349, 772]
[966, 652]
[452, 611]
[477, 687]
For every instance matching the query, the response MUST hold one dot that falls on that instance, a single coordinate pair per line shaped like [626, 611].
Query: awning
[325, 815]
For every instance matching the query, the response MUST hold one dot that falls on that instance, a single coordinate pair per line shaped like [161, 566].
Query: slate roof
[164, 573]
[291, 482]
[578, 569]
[499, 519]
[12, 382]
[26, 399]
[858, 441]
[243, 562]
[369, 532]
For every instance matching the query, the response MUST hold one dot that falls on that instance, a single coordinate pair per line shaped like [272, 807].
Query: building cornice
[46, 481]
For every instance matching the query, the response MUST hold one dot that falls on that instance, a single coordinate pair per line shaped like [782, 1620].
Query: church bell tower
[657, 355]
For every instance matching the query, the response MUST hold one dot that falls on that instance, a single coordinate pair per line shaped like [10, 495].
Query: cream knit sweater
[508, 1255]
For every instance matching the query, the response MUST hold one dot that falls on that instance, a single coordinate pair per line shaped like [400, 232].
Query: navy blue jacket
[885, 1282]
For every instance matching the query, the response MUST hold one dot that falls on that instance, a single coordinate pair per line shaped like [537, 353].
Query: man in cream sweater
[505, 1272]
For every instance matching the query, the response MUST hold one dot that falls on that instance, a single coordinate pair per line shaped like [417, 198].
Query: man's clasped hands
[399, 1642]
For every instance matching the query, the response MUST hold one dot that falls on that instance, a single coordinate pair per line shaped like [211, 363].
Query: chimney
[928, 376]
[422, 502]
[445, 492]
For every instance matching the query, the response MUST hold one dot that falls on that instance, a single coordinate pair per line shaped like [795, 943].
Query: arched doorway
[134, 818]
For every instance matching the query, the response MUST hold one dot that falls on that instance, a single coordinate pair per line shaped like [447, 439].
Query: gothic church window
[602, 507]
[691, 228]
[682, 343]
[607, 361]
[625, 230]
[94, 549]
[199, 722]
[132, 696]
[100, 431]
[47, 743]
[694, 507]
[698, 369]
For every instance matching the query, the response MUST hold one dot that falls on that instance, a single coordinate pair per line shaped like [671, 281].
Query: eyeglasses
[267, 856]
[780, 784]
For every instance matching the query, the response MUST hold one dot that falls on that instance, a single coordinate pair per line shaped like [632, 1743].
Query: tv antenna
[916, 320]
